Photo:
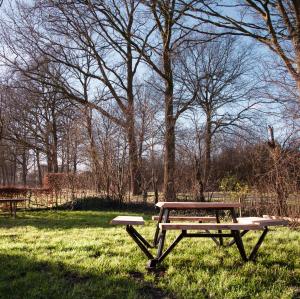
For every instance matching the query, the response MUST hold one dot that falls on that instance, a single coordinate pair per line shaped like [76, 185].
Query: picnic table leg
[258, 244]
[219, 231]
[171, 247]
[233, 215]
[161, 256]
[234, 220]
[139, 240]
[239, 244]
[161, 212]
[213, 238]
[160, 236]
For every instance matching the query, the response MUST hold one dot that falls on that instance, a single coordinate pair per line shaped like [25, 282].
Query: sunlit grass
[64, 254]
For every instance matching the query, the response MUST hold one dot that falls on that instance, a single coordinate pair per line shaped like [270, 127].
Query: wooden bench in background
[13, 204]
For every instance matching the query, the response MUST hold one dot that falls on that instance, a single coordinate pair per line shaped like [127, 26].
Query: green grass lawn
[67, 254]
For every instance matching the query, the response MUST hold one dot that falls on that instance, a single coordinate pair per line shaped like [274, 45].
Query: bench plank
[197, 205]
[189, 218]
[262, 221]
[209, 226]
[271, 222]
[128, 220]
[248, 220]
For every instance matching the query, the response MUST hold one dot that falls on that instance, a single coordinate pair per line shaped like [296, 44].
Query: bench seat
[189, 218]
[264, 221]
[128, 220]
[210, 226]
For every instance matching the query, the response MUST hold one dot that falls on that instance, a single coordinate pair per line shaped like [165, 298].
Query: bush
[234, 187]
[107, 203]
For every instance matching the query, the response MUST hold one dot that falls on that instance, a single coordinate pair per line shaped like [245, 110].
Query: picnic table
[13, 204]
[197, 227]
[213, 207]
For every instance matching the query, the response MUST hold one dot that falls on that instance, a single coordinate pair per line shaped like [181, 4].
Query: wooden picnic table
[216, 207]
[198, 226]
[13, 204]
[213, 207]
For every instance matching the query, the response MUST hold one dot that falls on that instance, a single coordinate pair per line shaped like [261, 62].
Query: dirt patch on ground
[150, 289]
[74, 278]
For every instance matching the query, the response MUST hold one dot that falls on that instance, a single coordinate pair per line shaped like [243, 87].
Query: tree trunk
[66, 155]
[40, 178]
[154, 178]
[3, 175]
[207, 161]
[296, 41]
[14, 170]
[63, 158]
[107, 186]
[93, 152]
[279, 180]
[198, 188]
[135, 174]
[75, 160]
[24, 168]
[48, 152]
[169, 157]
[55, 142]
[154, 186]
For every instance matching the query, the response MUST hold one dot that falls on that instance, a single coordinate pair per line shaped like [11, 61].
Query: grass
[77, 254]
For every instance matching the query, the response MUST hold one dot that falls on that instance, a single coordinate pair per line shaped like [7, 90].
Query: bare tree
[149, 133]
[219, 74]
[275, 24]
[91, 63]
[168, 28]
[37, 120]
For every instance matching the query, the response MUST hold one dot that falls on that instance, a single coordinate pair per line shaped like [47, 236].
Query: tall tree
[219, 74]
[168, 28]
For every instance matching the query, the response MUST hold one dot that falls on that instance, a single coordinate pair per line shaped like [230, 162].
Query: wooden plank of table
[189, 218]
[128, 220]
[262, 221]
[197, 205]
[209, 226]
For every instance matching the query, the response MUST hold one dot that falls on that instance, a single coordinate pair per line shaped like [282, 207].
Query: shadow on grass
[228, 258]
[22, 277]
[110, 204]
[60, 219]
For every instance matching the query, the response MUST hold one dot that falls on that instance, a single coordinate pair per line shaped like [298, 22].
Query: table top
[13, 199]
[197, 205]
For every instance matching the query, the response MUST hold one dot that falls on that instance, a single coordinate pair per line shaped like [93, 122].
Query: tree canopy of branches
[217, 75]
[110, 87]
[275, 24]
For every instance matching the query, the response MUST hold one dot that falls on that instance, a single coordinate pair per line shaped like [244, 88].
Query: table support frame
[160, 236]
